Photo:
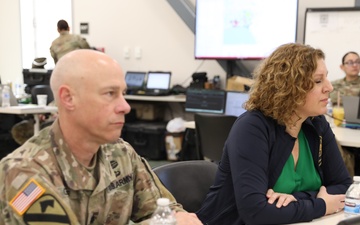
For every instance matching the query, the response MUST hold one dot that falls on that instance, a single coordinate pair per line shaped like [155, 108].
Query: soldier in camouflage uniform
[350, 84]
[78, 170]
[66, 42]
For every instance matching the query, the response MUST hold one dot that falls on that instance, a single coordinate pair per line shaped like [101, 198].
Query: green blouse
[305, 177]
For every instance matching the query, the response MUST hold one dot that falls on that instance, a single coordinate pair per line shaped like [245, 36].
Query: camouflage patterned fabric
[66, 43]
[42, 180]
[345, 88]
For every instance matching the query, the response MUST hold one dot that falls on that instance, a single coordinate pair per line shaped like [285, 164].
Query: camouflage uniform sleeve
[337, 85]
[148, 188]
[53, 54]
[83, 43]
[27, 197]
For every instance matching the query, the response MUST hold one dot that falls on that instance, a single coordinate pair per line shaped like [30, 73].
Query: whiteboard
[334, 30]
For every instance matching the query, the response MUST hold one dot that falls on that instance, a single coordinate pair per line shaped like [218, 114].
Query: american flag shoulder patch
[26, 196]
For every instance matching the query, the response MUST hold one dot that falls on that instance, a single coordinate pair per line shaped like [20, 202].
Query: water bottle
[163, 214]
[352, 198]
[5, 94]
[329, 113]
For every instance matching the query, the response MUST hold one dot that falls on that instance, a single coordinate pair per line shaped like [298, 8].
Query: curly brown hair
[283, 80]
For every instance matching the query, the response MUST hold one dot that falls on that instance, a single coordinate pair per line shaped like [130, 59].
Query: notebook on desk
[13, 100]
[135, 81]
[351, 109]
[157, 83]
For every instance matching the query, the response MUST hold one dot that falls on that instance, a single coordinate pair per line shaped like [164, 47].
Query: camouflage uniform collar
[76, 176]
[64, 32]
[356, 81]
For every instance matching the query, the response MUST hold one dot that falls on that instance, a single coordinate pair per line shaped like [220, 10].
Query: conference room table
[333, 219]
[347, 136]
[34, 110]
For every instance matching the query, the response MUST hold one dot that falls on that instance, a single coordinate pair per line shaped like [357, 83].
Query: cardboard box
[148, 111]
[237, 83]
[173, 145]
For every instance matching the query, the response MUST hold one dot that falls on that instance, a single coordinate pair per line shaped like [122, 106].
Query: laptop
[158, 83]
[135, 81]
[13, 100]
[351, 108]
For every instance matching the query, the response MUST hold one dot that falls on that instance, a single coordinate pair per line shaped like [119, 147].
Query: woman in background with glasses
[350, 84]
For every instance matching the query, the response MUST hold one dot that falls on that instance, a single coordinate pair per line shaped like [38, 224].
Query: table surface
[28, 109]
[333, 219]
[347, 136]
[166, 98]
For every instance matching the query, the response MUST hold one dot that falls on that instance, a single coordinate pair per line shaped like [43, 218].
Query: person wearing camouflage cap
[78, 170]
[66, 42]
[350, 84]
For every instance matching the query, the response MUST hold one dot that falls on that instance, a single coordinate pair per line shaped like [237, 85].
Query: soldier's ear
[66, 97]
[342, 67]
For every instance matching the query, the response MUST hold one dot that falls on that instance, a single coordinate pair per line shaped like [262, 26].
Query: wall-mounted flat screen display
[243, 29]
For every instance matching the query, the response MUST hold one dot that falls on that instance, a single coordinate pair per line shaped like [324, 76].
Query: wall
[165, 41]
[10, 42]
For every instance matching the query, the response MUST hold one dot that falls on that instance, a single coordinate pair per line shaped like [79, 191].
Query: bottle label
[352, 206]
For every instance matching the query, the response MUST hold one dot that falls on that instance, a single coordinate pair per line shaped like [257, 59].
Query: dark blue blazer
[254, 155]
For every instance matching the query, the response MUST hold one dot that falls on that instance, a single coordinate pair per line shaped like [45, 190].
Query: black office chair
[211, 133]
[188, 181]
[41, 89]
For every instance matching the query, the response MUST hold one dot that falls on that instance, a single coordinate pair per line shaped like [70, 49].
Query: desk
[333, 219]
[166, 98]
[347, 136]
[29, 109]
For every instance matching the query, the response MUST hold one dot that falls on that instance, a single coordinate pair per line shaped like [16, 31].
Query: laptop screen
[135, 80]
[352, 109]
[234, 103]
[205, 101]
[158, 80]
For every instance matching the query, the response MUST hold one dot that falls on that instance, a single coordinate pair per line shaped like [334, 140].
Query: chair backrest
[188, 181]
[211, 134]
[41, 89]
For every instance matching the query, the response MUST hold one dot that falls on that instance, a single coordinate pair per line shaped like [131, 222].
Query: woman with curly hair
[281, 162]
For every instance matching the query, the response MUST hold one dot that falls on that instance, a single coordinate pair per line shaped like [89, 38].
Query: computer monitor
[205, 101]
[235, 102]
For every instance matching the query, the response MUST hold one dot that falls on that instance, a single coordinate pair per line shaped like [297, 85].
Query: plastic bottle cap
[165, 201]
[357, 178]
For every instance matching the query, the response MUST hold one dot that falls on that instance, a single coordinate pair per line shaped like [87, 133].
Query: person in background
[78, 170]
[66, 42]
[350, 84]
[281, 163]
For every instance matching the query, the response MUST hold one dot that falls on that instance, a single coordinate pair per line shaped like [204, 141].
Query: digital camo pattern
[119, 188]
[346, 88]
[65, 43]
